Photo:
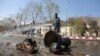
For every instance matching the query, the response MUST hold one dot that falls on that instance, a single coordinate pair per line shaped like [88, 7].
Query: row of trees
[37, 12]
[81, 25]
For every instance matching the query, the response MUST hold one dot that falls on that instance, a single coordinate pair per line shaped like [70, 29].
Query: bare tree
[19, 18]
[25, 14]
[35, 11]
[51, 8]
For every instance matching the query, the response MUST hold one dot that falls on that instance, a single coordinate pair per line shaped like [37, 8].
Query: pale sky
[68, 8]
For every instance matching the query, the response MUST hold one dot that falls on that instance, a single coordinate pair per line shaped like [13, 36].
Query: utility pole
[20, 19]
[67, 3]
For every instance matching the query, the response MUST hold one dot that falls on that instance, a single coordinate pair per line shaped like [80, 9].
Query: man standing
[57, 24]
[57, 30]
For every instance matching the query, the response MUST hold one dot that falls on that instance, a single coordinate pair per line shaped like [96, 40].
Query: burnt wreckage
[56, 43]
[52, 40]
[28, 46]
[31, 31]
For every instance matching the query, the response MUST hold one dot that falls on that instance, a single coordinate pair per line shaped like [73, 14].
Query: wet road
[78, 48]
